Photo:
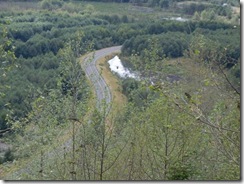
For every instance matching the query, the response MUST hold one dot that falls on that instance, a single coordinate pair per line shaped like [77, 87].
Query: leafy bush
[181, 171]
[128, 85]
[8, 156]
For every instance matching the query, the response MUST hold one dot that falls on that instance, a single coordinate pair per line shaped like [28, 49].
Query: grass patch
[199, 81]
[135, 12]
[108, 8]
[18, 6]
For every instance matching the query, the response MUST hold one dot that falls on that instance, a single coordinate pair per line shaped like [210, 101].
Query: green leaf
[206, 82]
[197, 52]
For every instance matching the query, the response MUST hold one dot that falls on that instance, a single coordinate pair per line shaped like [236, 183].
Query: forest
[180, 121]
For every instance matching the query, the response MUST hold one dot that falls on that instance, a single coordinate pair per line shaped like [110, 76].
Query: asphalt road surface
[101, 88]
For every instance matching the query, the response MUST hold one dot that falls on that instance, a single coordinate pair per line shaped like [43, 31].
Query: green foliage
[89, 9]
[71, 81]
[34, 75]
[8, 156]
[157, 137]
[172, 38]
[171, 44]
[192, 7]
[164, 3]
[128, 85]
[7, 63]
[51, 4]
[7, 56]
[235, 75]
[180, 171]
[207, 43]
[208, 15]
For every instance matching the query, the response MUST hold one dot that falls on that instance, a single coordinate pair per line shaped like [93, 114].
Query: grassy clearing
[128, 9]
[197, 80]
[190, 2]
[108, 8]
[236, 10]
[186, 68]
[18, 6]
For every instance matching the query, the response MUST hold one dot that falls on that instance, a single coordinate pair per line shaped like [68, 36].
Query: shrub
[8, 156]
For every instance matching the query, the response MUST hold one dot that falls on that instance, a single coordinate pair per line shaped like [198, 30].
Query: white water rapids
[117, 67]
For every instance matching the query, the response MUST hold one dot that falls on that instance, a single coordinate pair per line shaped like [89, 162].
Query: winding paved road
[102, 90]
[103, 94]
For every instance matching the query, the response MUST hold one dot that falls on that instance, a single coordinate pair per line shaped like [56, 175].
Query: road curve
[89, 65]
